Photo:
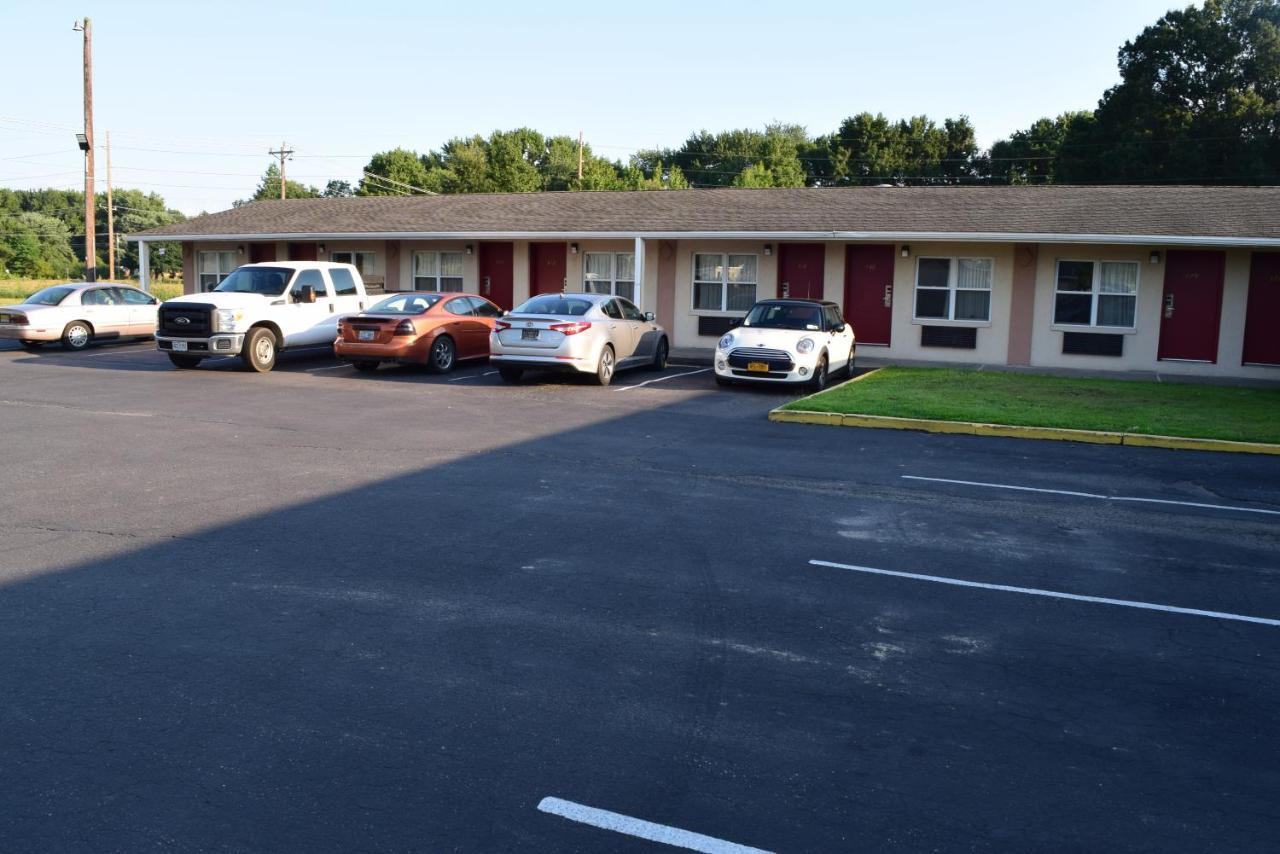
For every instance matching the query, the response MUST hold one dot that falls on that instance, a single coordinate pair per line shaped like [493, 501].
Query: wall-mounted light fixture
[240, 249]
[320, 248]
[573, 249]
[768, 249]
[1155, 257]
[469, 249]
[906, 251]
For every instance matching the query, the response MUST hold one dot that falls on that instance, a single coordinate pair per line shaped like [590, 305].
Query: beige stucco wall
[1142, 343]
[685, 333]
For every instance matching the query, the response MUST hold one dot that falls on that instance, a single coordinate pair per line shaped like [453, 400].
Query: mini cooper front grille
[760, 353]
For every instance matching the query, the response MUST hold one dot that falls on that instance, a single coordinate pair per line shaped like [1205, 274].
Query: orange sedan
[433, 329]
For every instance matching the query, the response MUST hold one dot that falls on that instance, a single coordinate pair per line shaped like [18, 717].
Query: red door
[496, 279]
[868, 292]
[547, 268]
[259, 252]
[1262, 316]
[1192, 306]
[302, 252]
[800, 270]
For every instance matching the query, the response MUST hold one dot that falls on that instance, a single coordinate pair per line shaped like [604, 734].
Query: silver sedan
[79, 313]
[596, 334]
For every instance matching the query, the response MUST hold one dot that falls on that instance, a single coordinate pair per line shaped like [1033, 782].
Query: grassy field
[15, 290]
[992, 397]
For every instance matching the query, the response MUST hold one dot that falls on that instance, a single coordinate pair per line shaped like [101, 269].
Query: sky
[195, 94]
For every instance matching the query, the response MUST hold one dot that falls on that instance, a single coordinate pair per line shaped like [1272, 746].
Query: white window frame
[1093, 293]
[613, 279]
[439, 253]
[724, 283]
[953, 275]
[366, 270]
[221, 273]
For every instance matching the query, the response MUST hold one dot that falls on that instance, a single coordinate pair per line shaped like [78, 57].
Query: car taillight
[18, 319]
[571, 328]
[405, 327]
[501, 324]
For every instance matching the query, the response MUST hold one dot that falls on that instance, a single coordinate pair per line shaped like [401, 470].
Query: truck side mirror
[307, 294]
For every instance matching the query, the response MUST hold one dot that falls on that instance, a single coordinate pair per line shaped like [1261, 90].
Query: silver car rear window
[555, 304]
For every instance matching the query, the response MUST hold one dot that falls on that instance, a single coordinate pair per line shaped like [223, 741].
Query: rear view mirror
[735, 323]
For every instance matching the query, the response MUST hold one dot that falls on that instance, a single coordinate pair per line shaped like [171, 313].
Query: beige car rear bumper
[29, 333]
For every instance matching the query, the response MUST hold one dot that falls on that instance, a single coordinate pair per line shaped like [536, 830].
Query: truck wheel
[443, 354]
[77, 335]
[259, 353]
[186, 363]
[510, 375]
[604, 368]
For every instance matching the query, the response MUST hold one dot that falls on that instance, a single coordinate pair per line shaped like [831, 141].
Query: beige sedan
[78, 314]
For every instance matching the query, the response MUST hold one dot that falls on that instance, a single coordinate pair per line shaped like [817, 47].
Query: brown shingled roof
[1169, 211]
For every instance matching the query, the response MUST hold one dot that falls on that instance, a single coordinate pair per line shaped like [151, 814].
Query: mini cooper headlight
[726, 342]
[805, 345]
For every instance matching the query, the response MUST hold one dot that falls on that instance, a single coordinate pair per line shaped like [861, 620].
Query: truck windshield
[268, 281]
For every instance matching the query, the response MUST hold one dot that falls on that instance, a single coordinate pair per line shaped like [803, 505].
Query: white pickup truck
[259, 310]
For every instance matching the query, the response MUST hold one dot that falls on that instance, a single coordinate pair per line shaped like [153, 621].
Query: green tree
[1032, 156]
[336, 189]
[269, 188]
[37, 245]
[871, 149]
[402, 171]
[1198, 101]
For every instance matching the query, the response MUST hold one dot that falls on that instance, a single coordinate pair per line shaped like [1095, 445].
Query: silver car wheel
[604, 373]
[78, 335]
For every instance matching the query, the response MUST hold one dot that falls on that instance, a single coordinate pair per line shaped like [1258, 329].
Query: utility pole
[90, 239]
[284, 152]
[579, 156]
[111, 223]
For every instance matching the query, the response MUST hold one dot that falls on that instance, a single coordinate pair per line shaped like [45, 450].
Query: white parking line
[1032, 591]
[1094, 495]
[662, 379]
[642, 829]
[472, 376]
[329, 368]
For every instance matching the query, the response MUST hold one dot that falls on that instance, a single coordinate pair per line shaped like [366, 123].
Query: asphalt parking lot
[320, 611]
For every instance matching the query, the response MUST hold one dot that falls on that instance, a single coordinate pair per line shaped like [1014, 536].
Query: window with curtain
[437, 271]
[954, 289]
[724, 282]
[213, 267]
[362, 261]
[1096, 293]
[610, 273]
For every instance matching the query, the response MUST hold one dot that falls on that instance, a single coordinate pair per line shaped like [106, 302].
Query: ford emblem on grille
[529, 323]
[182, 320]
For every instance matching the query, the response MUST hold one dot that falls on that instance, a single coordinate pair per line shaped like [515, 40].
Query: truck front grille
[186, 320]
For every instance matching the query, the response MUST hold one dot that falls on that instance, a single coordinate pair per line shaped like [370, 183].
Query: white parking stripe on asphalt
[642, 829]
[1053, 594]
[327, 368]
[662, 379]
[1099, 496]
[472, 376]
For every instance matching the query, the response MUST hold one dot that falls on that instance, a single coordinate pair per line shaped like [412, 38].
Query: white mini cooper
[787, 341]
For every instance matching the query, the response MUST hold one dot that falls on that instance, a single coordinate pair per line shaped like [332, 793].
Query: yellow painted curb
[972, 428]
[1181, 443]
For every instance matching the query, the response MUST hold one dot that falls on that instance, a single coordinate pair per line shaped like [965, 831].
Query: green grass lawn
[1126, 406]
[13, 291]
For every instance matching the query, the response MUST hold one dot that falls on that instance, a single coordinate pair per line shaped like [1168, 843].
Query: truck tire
[182, 362]
[77, 335]
[259, 352]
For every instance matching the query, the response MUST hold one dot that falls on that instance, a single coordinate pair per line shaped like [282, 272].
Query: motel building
[1180, 280]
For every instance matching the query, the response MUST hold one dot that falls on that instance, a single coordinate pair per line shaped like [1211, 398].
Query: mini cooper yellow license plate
[759, 367]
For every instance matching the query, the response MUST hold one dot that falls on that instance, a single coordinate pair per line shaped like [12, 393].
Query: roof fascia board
[895, 236]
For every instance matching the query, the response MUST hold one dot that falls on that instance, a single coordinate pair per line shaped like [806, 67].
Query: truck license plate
[529, 335]
[366, 334]
[758, 367]
[179, 346]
